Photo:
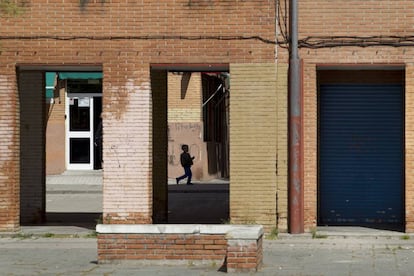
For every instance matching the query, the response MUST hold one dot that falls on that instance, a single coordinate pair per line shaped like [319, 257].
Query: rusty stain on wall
[119, 97]
[118, 101]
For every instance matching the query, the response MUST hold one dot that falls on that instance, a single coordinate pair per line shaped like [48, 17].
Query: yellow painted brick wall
[184, 97]
[253, 144]
[282, 146]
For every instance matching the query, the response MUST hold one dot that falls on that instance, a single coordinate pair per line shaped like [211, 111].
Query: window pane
[79, 150]
[79, 114]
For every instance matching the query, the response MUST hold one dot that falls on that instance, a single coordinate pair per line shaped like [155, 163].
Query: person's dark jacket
[186, 159]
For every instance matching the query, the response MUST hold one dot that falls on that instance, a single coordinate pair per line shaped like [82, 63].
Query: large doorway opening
[61, 177]
[195, 105]
[361, 148]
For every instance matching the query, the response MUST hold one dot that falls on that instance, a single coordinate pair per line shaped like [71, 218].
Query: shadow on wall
[213, 164]
[185, 81]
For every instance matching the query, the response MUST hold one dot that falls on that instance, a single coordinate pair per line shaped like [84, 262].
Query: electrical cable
[311, 42]
[144, 37]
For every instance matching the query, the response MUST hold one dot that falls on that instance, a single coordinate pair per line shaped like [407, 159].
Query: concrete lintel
[231, 231]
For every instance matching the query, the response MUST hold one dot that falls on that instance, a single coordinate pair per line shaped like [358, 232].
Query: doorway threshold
[357, 232]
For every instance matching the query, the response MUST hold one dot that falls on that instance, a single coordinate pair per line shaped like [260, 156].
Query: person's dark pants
[187, 173]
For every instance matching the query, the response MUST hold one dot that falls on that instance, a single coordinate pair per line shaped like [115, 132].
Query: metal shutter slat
[361, 155]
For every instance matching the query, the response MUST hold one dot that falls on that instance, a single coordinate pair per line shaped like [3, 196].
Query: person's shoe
[176, 181]
[190, 184]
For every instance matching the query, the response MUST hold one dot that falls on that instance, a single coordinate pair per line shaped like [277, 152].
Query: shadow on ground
[83, 220]
[187, 204]
[198, 203]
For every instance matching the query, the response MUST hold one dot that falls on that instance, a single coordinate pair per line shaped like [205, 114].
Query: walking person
[186, 161]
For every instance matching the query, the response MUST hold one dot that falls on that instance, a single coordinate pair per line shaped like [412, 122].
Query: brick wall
[244, 255]
[184, 97]
[253, 144]
[409, 147]
[232, 248]
[55, 134]
[310, 122]
[187, 247]
[351, 18]
[125, 62]
[282, 148]
[127, 192]
[10, 151]
[127, 99]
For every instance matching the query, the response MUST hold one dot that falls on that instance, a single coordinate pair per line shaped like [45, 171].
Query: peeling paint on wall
[7, 140]
[127, 148]
[9, 162]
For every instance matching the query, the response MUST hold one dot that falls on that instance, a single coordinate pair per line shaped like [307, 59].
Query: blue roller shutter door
[361, 162]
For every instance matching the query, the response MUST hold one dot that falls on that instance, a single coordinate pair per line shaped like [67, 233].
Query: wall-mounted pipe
[296, 219]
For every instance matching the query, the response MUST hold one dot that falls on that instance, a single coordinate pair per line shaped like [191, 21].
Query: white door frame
[80, 134]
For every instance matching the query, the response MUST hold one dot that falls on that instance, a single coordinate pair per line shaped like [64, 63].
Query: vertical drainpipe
[296, 219]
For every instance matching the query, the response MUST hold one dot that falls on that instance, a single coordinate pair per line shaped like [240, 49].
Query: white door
[79, 131]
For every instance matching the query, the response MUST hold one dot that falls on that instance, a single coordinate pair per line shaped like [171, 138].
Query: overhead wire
[311, 42]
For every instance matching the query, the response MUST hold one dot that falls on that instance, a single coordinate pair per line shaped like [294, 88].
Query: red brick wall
[186, 247]
[9, 157]
[231, 247]
[123, 38]
[244, 256]
[355, 19]
[55, 135]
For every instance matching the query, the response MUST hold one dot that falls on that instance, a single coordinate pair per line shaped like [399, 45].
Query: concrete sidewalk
[289, 256]
[70, 247]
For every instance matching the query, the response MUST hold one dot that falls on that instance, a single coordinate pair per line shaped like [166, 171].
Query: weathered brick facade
[135, 44]
[253, 143]
[125, 40]
[354, 19]
[232, 248]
